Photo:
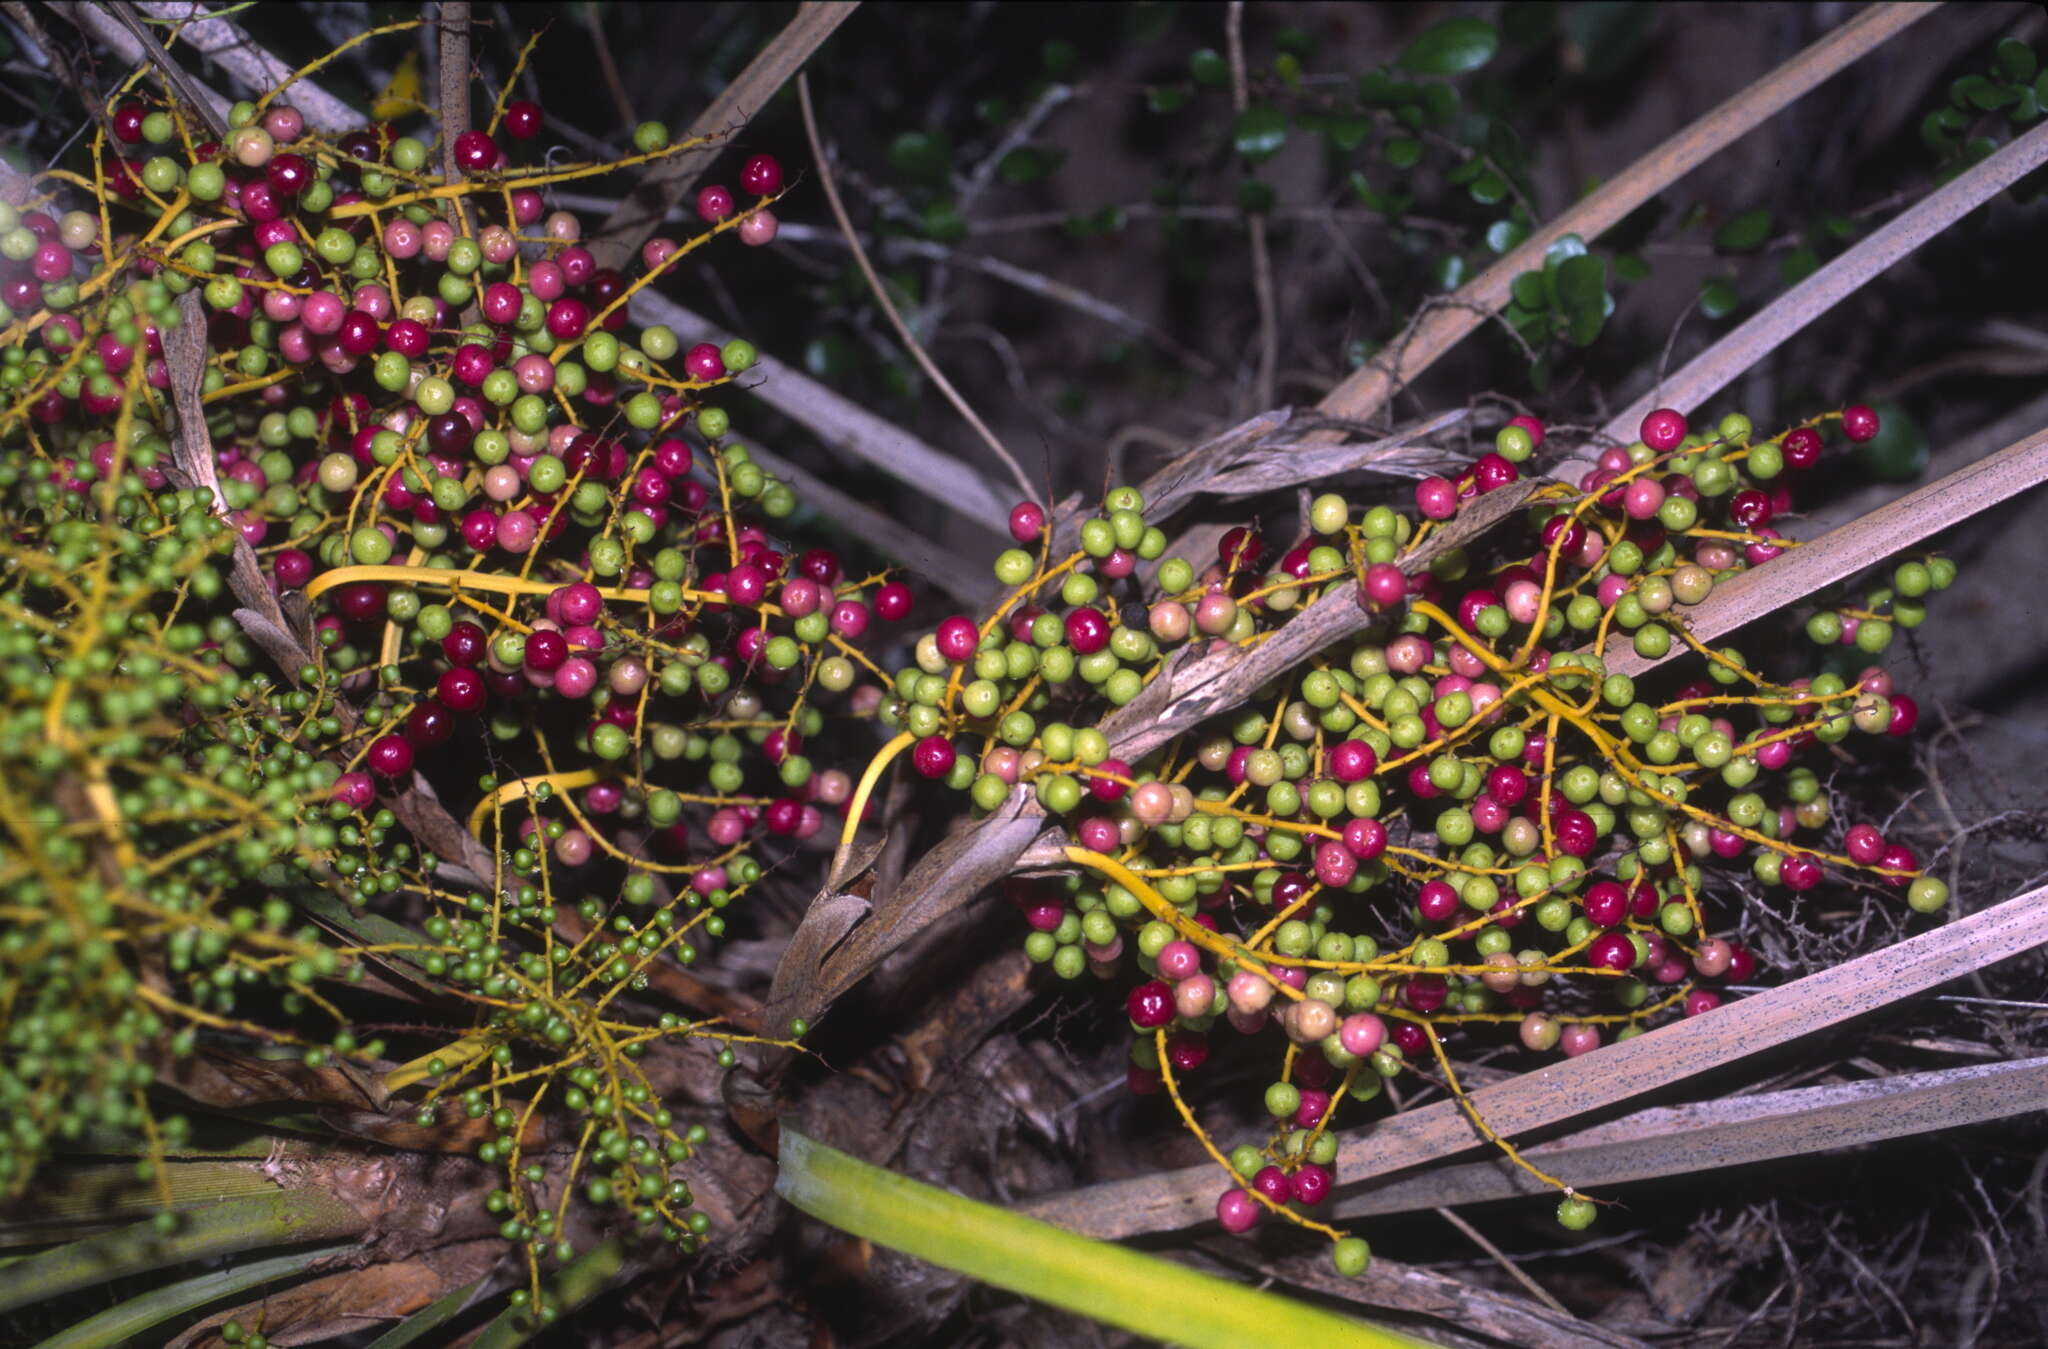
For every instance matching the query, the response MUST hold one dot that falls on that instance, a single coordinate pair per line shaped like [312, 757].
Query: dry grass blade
[665, 185]
[1595, 1081]
[1677, 1140]
[1368, 390]
[1844, 552]
[846, 426]
[1721, 364]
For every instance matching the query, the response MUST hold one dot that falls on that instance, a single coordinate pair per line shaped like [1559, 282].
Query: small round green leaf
[1259, 132]
[1166, 98]
[1488, 188]
[1452, 48]
[1744, 231]
[1797, 265]
[1504, 236]
[1208, 67]
[924, 158]
[2015, 59]
[1717, 298]
[1402, 152]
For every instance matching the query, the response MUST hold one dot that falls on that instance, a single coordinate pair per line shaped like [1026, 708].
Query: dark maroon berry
[522, 119]
[476, 152]
[1150, 1004]
[762, 176]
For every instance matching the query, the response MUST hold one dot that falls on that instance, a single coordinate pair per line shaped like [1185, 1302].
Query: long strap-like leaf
[1141, 1293]
[238, 1225]
[124, 1325]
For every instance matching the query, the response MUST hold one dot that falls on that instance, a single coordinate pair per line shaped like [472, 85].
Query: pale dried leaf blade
[1841, 553]
[1732, 1131]
[1591, 1082]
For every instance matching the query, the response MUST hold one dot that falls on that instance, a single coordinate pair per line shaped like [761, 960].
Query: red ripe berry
[545, 651]
[762, 176]
[957, 639]
[1802, 448]
[429, 724]
[1436, 498]
[933, 756]
[1437, 901]
[460, 689]
[1859, 423]
[465, 645]
[1741, 964]
[522, 119]
[127, 123]
[1898, 857]
[1424, 993]
[1087, 631]
[1563, 535]
[1187, 1050]
[567, 319]
[1606, 903]
[408, 338]
[292, 567]
[1663, 429]
[1384, 585]
[1271, 1182]
[1241, 549]
[892, 602]
[1150, 1004]
[1311, 1184]
[361, 602]
[1575, 833]
[704, 362]
[1749, 508]
[714, 204]
[390, 756]
[1611, 951]
[1106, 788]
[476, 152]
[822, 566]
[1491, 472]
[1532, 426]
[1799, 873]
[1701, 1000]
[288, 175]
[358, 333]
[1352, 761]
[1905, 715]
[1027, 518]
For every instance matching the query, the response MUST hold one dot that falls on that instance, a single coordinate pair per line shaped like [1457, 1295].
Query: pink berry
[1236, 1211]
[1859, 423]
[1436, 498]
[714, 203]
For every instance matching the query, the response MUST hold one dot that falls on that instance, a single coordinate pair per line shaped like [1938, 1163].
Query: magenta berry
[1663, 429]
[1027, 519]
[762, 176]
[1150, 1005]
[1859, 423]
[933, 756]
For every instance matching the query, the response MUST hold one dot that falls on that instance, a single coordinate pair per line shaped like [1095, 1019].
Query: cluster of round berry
[1463, 820]
[498, 514]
